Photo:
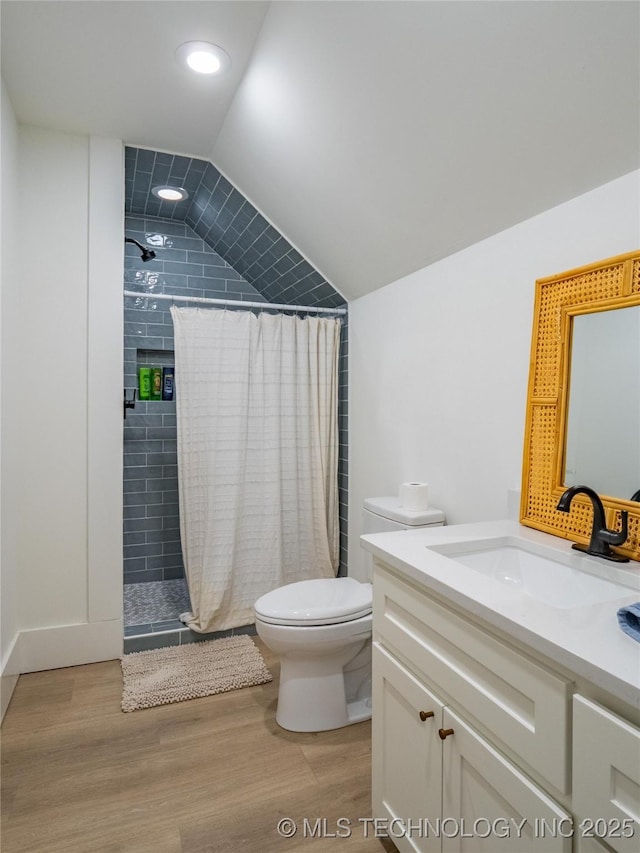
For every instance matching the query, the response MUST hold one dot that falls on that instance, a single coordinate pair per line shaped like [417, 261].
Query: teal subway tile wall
[214, 244]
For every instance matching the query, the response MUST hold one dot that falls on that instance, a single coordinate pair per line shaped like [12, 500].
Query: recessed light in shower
[203, 57]
[170, 193]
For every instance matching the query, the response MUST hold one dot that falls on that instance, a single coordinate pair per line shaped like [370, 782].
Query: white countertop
[586, 640]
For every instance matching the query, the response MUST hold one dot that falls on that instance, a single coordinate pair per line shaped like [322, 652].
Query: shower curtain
[257, 404]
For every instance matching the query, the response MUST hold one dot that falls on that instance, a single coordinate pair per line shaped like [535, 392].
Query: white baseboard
[70, 645]
[7, 686]
[9, 675]
[52, 648]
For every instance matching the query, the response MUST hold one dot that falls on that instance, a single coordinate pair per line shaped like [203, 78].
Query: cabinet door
[606, 776]
[489, 805]
[406, 754]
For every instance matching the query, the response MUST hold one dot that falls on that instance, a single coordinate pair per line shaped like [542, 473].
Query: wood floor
[212, 775]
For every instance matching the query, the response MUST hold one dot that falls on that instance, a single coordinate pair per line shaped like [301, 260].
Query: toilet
[386, 515]
[321, 631]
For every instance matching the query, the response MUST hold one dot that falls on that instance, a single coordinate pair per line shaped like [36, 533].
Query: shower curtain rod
[236, 302]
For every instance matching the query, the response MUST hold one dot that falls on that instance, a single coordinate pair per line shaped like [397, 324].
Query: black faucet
[635, 496]
[601, 538]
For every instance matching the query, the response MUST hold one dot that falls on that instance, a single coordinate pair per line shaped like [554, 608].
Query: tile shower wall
[228, 223]
[186, 266]
[214, 244]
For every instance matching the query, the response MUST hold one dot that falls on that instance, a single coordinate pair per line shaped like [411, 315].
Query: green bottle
[156, 383]
[144, 383]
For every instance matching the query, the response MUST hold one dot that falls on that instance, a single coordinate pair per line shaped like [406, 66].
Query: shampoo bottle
[156, 383]
[167, 383]
[144, 383]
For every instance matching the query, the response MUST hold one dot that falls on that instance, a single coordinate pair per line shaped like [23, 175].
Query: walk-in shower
[215, 248]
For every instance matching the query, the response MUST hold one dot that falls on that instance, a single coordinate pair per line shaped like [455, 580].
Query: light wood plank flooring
[212, 775]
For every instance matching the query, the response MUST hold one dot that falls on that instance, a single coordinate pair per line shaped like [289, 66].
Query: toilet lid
[322, 601]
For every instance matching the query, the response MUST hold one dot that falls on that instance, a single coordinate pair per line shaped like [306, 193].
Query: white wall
[8, 481]
[62, 400]
[50, 377]
[439, 360]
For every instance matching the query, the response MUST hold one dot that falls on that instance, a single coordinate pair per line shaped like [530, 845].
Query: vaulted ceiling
[378, 137]
[228, 224]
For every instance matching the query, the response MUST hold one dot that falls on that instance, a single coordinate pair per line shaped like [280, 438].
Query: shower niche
[156, 375]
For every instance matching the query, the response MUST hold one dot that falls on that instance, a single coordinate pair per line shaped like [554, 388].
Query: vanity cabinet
[606, 773]
[462, 723]
[521, 703]
[439, 784]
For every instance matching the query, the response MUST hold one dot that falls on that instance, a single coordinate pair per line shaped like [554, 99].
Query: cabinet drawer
[521, 703]
[606, 773]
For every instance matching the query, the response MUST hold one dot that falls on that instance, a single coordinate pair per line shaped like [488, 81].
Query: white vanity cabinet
[440, 785]
[452, 707]
[606, 774]
[537, 682]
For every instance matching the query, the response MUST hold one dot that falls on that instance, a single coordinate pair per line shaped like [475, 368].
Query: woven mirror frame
[608, 284]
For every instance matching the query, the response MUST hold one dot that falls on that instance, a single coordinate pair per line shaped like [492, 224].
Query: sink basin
[535, 571]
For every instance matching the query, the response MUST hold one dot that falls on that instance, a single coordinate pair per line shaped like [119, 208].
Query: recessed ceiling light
[170, 193]
[203, 57]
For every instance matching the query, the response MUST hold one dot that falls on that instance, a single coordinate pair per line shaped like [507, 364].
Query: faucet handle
[617, 537]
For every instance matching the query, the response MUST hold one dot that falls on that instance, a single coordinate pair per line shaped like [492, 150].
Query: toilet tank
[386, 515]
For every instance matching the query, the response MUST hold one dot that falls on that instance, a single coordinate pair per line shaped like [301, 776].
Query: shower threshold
[151, 611]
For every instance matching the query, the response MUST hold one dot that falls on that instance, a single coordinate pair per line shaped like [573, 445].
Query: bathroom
[438, 351]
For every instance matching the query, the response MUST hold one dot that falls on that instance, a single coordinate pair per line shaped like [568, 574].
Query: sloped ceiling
[228, 224]
[377, 137]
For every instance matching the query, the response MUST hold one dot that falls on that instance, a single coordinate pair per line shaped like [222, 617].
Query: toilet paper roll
[414, 496]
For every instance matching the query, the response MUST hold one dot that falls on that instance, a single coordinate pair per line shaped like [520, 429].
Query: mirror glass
[602, 446]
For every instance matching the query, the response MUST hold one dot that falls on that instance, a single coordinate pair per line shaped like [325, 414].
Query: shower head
[147, 254]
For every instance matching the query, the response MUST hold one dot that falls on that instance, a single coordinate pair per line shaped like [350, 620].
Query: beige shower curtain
[257, 401]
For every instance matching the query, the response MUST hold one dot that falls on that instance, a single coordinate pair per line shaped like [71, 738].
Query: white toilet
[321, 630]
[384, 515]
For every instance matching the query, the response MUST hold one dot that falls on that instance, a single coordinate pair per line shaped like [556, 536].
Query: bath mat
[190, 671]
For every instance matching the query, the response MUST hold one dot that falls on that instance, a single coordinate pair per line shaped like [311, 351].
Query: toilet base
[356, 712]
[325, 673]
[359, 710]
[312, 693]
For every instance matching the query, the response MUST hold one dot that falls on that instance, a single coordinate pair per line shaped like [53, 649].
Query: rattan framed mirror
[607, 285]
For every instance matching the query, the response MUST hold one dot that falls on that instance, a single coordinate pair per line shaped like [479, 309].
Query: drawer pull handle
[424, 715]
[444, 733]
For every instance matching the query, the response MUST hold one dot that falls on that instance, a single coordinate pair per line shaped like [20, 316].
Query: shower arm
[147, 254]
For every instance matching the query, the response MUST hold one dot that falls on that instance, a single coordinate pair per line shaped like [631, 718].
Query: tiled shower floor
[151, 616]
[154, 606]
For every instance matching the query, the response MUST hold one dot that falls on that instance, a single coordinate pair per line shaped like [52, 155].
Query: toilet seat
[321, 601]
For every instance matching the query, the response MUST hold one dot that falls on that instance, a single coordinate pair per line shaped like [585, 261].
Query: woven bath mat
[177, 673]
